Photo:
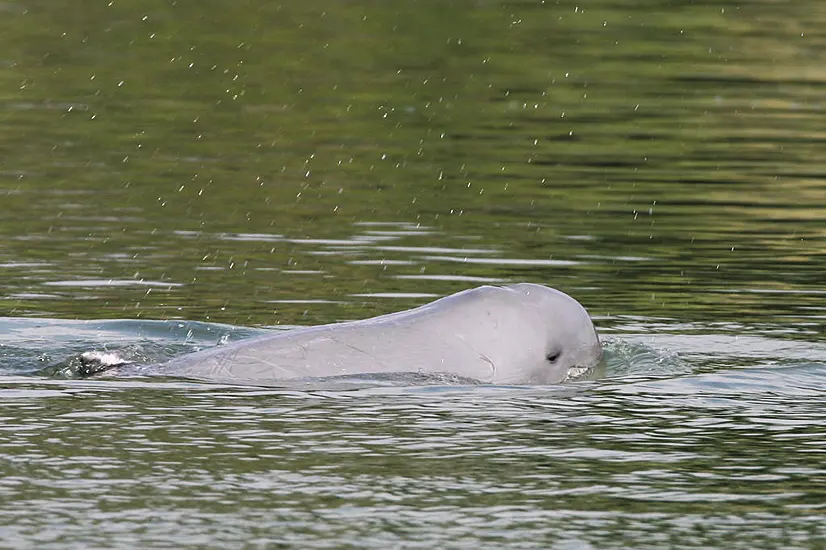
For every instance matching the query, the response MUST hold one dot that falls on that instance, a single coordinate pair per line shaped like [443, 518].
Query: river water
[175, 175]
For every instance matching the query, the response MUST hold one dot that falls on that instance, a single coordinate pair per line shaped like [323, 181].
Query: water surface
[175, 175]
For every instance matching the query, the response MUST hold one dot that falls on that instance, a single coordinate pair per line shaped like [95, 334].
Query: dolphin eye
[553, 356]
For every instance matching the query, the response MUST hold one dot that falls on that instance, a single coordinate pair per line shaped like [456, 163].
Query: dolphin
[517, 334]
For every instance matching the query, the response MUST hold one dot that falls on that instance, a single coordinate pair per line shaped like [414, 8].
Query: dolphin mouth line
[490, 362]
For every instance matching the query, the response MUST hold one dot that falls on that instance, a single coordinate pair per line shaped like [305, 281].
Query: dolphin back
[453, 334]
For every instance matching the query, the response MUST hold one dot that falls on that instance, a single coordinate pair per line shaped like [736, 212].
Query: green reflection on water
[672, 152]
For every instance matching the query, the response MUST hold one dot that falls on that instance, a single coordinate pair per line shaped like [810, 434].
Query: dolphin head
[561, 337]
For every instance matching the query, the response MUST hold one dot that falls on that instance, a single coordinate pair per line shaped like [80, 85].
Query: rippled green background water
[258, 164]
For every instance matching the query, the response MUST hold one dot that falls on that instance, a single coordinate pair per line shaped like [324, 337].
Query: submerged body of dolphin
[518, 334]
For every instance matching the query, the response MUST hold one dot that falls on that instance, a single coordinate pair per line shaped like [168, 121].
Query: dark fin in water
[85, 365]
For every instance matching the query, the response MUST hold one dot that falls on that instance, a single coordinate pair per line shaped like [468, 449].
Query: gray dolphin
[517, 334]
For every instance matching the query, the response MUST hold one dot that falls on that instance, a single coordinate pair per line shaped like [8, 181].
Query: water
[173, 175]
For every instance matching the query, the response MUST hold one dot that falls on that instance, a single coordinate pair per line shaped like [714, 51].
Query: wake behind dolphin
[517, 334]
